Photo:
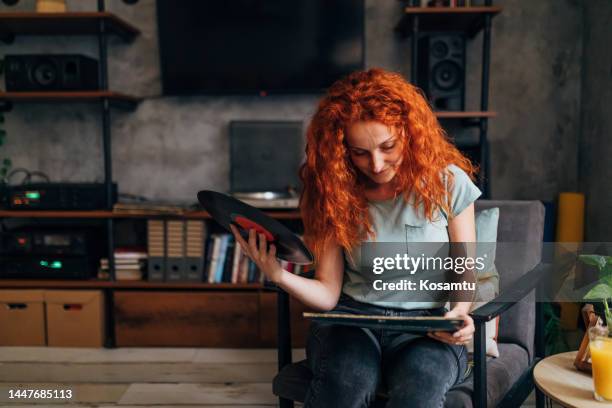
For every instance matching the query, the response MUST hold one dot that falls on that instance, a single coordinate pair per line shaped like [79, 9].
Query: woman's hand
[461, 336]
[264, 257]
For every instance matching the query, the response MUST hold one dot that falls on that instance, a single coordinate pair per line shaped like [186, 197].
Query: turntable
[269, 199]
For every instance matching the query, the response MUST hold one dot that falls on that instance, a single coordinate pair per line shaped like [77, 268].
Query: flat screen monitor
[265, 156]
[258, 46]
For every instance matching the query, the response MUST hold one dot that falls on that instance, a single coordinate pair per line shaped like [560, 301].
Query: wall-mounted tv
[258, 46]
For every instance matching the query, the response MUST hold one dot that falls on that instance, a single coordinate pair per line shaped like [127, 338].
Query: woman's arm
[321, 293]
[461, 229]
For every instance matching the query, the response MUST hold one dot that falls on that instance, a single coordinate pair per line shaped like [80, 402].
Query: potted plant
[603, 289]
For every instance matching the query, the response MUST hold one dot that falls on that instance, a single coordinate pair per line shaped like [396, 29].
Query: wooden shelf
[116, 99]
[465, 115]
[104, 284]
[70, 23]
[465, 19]
[286, 215]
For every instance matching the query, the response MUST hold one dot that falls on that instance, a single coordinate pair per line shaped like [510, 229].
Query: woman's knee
[345, 364]
[428, 357]
[421, 373]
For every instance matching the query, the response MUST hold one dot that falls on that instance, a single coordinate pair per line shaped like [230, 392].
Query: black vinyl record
[227, 210]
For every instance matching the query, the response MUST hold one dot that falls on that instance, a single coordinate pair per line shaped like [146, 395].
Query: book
[209, 251]
[135, 267]
[221, 259]
[243, 271]
[148, 208]
[104, 261]
[214, 258]
[226, 275]
[236, 263]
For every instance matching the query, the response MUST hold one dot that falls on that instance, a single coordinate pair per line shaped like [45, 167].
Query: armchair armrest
[492, 309]
[519, 290]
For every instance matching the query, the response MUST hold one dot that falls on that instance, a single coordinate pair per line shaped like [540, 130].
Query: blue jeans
[350, 363]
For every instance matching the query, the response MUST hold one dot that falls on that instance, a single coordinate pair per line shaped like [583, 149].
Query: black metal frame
[482, 122]
[525, 285]
[520, 390]
[108, 174]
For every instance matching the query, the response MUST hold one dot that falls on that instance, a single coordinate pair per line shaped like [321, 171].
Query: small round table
[560, 381]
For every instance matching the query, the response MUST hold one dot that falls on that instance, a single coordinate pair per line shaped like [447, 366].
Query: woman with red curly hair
[378, 168]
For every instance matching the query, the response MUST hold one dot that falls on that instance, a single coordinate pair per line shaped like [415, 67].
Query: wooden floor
[137, 377]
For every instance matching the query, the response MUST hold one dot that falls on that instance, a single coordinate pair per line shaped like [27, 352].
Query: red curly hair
[333, 204]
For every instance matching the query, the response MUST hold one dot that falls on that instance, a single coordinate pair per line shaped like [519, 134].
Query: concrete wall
[535, 88]
[596, 136]
[171, 147]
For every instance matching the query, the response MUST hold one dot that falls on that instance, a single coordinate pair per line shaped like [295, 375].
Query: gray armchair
[505, 381]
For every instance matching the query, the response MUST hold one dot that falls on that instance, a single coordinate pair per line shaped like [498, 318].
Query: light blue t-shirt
[396, 220]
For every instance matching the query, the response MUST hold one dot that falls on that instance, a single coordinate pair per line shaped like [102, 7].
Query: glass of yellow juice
[600, 345]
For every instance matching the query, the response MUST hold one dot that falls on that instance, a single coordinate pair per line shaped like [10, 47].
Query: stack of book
[227, 263]
[129, 264]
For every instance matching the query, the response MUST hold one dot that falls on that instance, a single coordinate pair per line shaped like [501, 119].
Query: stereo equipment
[48, 72]
[441, 70]
[50, 253]
[56, 196]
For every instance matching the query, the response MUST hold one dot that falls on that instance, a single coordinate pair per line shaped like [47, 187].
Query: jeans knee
[346, 368]
[421, 375]
[341, 388]
[353, 366]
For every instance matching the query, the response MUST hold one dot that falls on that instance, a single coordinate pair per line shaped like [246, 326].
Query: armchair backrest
[520, 222]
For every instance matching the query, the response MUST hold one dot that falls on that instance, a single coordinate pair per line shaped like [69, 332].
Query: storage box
[22, 318]
[75, 318]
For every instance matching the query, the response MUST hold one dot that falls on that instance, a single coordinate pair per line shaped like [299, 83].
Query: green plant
[603, 289]
[553, 334]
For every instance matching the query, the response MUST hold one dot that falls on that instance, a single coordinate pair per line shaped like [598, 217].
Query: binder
[175, 251]
[156, 248]
[195, 233]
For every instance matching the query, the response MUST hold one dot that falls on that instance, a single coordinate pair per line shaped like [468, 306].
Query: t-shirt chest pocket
[425, 231]
[414, 232]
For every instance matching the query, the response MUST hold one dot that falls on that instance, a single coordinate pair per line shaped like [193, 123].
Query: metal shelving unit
[101, 24]
[470, 20]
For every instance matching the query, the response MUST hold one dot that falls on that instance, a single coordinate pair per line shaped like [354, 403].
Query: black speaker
[47, 72]
[441, 70]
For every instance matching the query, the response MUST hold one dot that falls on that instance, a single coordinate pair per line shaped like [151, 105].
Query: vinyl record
[227, 210]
